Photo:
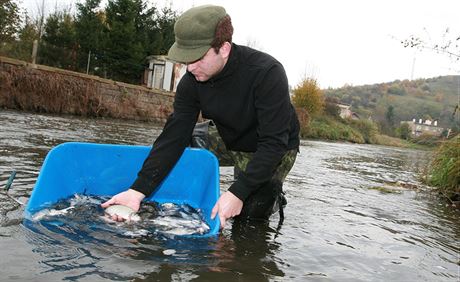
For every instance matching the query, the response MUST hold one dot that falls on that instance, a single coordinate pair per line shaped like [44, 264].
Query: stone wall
[39, 88]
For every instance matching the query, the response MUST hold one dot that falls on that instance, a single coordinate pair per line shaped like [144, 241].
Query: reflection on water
[338, 226]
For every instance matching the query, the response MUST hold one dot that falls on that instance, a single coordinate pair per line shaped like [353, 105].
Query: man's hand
[130, 198]
[227, 207]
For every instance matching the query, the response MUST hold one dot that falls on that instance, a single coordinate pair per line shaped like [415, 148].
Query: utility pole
[34, 51]
[413, 67]
[89, 60]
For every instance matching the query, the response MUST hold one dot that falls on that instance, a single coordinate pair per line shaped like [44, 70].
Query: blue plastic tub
[105, 170]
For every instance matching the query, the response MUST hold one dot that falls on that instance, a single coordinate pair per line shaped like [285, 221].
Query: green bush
[367, 128]
[426, 139]
[403, 131]
[331, 129]
[444, 170]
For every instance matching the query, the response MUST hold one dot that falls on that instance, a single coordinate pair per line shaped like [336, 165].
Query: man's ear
[225, 49]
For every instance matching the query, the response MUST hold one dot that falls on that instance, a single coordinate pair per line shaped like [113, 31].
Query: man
[245, 93]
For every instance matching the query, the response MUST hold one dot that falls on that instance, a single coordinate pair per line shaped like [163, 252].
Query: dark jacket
[250, 105]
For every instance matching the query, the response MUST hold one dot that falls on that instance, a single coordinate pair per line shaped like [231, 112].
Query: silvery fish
[180, 226]
[124, 212]
[45, 213]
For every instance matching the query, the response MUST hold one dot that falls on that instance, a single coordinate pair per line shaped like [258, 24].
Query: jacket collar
[231, 65]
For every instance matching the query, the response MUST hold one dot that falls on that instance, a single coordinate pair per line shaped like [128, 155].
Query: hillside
[392, 102]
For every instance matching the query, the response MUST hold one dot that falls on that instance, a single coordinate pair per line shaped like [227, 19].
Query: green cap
[195, 30]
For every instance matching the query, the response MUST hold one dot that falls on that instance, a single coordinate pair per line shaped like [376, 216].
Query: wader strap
[282, 204]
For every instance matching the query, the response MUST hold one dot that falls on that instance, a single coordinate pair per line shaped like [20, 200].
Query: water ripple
[337, 227]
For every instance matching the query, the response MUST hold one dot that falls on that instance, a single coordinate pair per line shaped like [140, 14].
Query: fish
[180, 226]
[176, 219]
[153, 218]
[45, 213]
[127, 213]
[169, 252]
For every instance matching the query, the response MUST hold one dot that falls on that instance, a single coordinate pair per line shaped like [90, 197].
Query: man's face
[208, 66]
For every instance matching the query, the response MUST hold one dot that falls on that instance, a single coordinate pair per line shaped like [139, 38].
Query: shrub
[403, 131]
[367, 128]
[444, 170]
[330, 129]
[426, 139]
[309, 96]
[304, 120]
[331, 108]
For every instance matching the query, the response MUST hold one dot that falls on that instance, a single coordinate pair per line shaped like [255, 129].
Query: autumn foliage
[308, 96]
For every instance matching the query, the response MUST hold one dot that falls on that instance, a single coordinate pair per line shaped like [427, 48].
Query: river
[340, 224]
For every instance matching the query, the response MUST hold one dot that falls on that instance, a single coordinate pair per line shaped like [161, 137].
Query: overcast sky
[337, 42]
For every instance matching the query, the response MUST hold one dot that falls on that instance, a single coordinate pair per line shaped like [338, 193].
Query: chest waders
[266, 200]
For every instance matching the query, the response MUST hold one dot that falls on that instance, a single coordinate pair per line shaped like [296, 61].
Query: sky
[336, 42]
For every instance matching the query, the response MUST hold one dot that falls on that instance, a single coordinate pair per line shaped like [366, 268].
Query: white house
[163, 74]
[345, 111]
[419, 127]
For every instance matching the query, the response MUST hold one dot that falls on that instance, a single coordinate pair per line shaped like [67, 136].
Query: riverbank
[43, 89]
[444, 170]
[328, 128]
[386, 140]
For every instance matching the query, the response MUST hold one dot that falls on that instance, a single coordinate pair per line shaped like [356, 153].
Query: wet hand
[130, 198]
[227, 207]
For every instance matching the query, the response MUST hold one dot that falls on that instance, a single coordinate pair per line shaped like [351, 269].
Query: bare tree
[254, 43]
[449, 44]
[40, 19]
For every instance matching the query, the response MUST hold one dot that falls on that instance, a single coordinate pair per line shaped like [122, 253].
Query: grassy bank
[444, 169]
[381, 139]
[326, 128]
[355, 131]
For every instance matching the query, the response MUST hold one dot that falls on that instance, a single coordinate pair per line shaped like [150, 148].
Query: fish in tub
[153, 218]
[102, 170]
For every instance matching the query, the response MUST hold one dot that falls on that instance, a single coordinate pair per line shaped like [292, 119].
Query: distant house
[419, 127]
[345, 111]
[162, 73]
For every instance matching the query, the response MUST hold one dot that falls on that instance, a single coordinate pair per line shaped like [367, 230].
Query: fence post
[34, 51]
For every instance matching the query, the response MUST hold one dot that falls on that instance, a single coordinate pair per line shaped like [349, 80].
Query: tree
[91, 34]
[403, 131]
[161, 37]
[448, 45]
[309, 96]
[134, 32]
[254, 43]
[10, 20]
[22, 48]
[59, 45]
[126, 55]
[119, 37]
[397, 90]
[331, 107]
[427, 117]
[390, 115]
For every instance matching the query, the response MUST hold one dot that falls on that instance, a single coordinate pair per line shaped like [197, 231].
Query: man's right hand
[228, 205]
[130, 198]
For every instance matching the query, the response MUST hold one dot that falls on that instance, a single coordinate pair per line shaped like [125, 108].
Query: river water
[340, 225]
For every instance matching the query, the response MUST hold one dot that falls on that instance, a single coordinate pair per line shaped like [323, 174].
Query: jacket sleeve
[170, 144]
[273, 107]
